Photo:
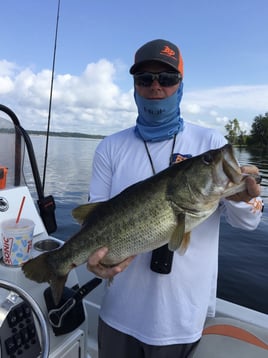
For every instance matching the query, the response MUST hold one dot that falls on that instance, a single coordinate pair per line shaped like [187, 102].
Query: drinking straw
[21, 207]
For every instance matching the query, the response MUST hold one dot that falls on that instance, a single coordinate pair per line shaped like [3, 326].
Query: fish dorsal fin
[177, 235]
[81, 212]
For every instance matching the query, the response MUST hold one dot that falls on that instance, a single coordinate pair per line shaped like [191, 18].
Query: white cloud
[235, 97]
[219, 105]
[192, 108]
[94, 103]
[213, 113]
[90, 103]
[6, 85]
[7, 68]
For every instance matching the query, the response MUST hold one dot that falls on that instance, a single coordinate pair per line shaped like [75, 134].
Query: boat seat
[230, 338]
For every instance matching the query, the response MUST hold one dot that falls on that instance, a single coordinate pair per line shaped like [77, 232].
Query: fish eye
[207, 158]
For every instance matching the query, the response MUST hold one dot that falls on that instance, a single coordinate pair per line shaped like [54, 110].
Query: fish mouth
[230, 165]
[233, 173]
[232, 169]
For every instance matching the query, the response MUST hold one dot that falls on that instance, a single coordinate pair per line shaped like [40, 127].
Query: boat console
[23, 302]
[30, 324]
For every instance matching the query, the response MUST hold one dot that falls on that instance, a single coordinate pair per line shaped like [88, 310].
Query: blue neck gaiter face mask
[158, 119]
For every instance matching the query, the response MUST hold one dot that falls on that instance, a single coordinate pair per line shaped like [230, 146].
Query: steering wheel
[37, 312]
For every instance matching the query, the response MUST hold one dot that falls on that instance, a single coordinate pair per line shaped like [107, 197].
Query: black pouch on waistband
[161, 261]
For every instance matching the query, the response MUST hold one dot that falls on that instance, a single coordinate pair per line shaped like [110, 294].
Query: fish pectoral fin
[110, 281]
[178, 234]
[81, 212]
[179, 240]
[185, 243]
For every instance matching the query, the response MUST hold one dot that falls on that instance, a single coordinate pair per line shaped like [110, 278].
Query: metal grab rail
[24, 134]
[46, 204]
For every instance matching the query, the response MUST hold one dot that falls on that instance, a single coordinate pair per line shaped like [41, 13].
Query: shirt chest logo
[178, 157]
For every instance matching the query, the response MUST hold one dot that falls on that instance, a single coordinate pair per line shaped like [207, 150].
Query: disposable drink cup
[17, 241]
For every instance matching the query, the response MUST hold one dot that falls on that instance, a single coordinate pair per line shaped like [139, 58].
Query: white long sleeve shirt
[155, 308]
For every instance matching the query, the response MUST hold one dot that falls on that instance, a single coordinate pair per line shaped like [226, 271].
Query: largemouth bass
[161, 209]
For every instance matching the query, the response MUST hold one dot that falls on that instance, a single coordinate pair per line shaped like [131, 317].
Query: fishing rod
[50, 97]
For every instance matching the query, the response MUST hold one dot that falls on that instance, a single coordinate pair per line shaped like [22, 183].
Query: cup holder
[46, 245]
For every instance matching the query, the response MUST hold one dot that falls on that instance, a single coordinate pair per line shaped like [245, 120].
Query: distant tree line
[258, 135]
[56, 134]
[67, 134]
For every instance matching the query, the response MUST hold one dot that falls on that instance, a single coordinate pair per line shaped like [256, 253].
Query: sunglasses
[165, 79]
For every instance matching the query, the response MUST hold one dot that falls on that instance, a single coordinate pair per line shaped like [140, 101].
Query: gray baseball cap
[160, 51]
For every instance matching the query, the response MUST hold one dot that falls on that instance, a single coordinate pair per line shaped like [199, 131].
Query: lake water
[243, 256]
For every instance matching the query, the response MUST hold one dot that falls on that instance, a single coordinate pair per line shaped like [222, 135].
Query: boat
[32, 326]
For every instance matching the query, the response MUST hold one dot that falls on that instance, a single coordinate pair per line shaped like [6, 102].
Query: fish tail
[39, 269]
[57, 286]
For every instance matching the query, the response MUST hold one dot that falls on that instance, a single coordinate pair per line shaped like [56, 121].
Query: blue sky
[224, 45]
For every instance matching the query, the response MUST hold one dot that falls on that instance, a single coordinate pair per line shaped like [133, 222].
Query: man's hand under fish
[94, 264]
[252, 190]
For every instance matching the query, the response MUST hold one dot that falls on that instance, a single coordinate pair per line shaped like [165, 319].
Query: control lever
[57, 315]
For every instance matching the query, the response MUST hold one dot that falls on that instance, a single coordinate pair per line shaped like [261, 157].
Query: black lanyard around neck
[150, 158]
[161, 261]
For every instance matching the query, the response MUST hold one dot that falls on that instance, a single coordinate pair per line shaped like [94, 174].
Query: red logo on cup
[7, 244]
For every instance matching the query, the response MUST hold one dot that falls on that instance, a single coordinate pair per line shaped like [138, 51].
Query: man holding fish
[156, 195]
[158, 301]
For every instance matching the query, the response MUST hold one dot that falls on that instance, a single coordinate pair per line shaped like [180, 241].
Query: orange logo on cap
[168, 52]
